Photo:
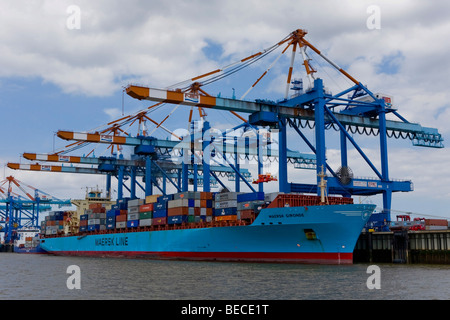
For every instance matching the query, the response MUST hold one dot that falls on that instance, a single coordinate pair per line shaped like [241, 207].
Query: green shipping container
[145, 215]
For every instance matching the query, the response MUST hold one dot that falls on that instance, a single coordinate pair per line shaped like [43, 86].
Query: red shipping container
[95, 205]
[146, 207]
[247, 214]
[121, 218]
[159, 221]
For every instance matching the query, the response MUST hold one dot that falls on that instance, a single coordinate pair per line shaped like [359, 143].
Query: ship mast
[323, 187]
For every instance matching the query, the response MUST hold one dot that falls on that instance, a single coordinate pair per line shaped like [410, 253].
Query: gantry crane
[22, 210]
[353, 110]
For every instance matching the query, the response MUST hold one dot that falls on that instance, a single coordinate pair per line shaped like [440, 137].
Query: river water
[47, 277]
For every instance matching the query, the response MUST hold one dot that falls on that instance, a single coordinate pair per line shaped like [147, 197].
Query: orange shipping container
[178, 211]
[205, 196]
[227, 218]
[146, 207]
[121, 218]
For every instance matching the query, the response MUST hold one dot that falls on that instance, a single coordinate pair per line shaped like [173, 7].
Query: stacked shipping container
[58, 222]
[191, 207]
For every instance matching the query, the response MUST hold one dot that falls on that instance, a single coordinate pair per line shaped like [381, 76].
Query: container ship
[28, 241]
[224, 226]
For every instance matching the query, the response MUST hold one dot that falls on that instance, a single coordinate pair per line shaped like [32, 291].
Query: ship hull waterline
[314, 234]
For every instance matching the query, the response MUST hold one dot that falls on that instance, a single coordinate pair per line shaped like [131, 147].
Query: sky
[64, 64]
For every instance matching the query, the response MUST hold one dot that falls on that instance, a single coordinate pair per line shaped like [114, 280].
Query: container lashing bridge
[355, 110]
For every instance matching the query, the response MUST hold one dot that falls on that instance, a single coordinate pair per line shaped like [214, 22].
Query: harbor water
[47, 277]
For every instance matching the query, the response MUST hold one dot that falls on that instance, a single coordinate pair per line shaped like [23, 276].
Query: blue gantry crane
[353, 110]
[19, 211]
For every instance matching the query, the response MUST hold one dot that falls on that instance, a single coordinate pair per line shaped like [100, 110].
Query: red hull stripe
[288, 257]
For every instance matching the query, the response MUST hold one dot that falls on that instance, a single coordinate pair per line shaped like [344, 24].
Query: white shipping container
[225, 204]
[93, 221]
[133, 209]
[436, 227]
[178, 203]
[145, 222]
[121, 224]
[227, 196]
[135, 203]
[133, 216]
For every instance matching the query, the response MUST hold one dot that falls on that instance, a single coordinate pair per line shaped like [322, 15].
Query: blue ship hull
[314, 234]
[36, 250]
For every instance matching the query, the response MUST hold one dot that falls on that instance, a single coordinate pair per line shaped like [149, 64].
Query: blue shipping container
[160, 213]
[250, 196]
[165, 198]
[83, 228]
[112, 213]
[160, 206]
[84, 217]
[225, 211]
[111, 219]
[177, 219]
[191, 203]
[132, 223]
[93, 227]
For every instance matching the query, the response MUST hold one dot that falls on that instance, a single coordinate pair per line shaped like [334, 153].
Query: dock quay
[403, 246]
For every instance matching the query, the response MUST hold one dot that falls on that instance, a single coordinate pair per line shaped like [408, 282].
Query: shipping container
[177, 211]
[121, 218]
[226, 218]
[226, 196]
[152, 198]
[225, 212]
[145, 215]
[146, 207]
[133, 216]
[184, 195]
[160, 205]
[165, 198]
[145, 222]
[160, 213]
[133, 209]
[245, 197]
[135, 203]
[206, 218]
[121, 224]
[225, 204]
[256, 204]
[177, 219]
[132, 223]
[206, 211]
[206, 195]
[246, 214]
[94, 227]
[178, 203]
[159, 221]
